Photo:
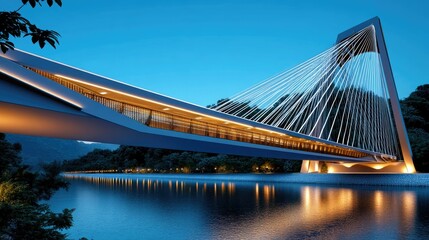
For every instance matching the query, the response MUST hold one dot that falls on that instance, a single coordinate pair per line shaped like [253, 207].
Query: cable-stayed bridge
[339, 107]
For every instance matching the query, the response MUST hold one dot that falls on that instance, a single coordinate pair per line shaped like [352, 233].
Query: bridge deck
[160, 112]
[157, 115]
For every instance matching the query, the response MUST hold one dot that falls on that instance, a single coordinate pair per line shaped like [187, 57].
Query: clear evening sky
[201, 51]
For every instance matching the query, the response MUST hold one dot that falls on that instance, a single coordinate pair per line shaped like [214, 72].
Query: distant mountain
[37, 150]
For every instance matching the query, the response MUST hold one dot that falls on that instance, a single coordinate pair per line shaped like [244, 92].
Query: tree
[13, 24]
[415, 109]
[22, 215]
[292, 166]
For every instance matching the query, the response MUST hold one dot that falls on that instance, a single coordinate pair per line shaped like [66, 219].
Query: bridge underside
[72, 124]
[69, 123]
[49, 117]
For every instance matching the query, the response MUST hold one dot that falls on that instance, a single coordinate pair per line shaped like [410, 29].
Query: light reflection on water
[135, 207]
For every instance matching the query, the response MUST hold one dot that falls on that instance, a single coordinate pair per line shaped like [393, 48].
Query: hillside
[37, 150]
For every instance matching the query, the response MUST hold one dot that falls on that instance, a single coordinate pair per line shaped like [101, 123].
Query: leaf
[59, 2]
[33, 28]
[51, 42]
[3, 48]
[41, 43]
[23, 28]
[50, 2]
[32, 3]
[35, 38]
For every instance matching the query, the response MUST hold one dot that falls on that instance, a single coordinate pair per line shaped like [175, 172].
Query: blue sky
[201, 51]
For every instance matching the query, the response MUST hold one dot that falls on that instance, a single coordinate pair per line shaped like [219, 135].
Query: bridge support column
[309, 166]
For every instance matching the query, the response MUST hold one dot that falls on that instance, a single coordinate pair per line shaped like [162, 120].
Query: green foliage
[323, 167]
[23, 216]
[13, 24]
[34, 2]
[162, 160]
[292, 166]
[97, 159]
[420, 145]
[415, 110]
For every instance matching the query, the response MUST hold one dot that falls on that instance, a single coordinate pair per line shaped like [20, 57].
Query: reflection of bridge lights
[378, 205]
[268, 193]
[231, 189]
[257, 192]
[155, 185]
[408, 206]
[305, 192]
[321, 205]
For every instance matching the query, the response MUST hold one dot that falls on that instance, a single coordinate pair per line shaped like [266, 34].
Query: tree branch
[20, 7]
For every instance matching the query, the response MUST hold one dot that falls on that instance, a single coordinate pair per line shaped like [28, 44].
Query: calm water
[129, 207]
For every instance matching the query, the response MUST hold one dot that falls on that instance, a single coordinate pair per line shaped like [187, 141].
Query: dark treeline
[129, 158]
[415, 109]
[416, 116]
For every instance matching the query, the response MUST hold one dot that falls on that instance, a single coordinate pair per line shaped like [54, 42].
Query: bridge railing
[162, 120]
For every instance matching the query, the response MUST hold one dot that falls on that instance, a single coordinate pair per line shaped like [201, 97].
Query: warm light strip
[266, 130]
[167, 105]
[149, 100]
[376, 166]
[348, 165]
[42, 88]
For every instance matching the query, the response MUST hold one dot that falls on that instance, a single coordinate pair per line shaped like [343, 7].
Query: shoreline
[364, 179]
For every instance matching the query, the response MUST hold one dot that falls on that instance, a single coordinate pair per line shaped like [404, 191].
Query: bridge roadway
[46, 98]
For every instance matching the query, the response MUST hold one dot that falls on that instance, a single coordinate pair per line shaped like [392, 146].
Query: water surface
[124, 206]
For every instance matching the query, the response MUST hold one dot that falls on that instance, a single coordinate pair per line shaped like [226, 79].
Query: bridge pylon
[377, 46]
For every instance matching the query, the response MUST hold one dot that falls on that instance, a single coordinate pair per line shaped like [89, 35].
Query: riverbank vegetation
[23, 214]
[141, 159]
[415, 110]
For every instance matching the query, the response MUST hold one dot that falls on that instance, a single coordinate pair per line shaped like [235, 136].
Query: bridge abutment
[309, 166]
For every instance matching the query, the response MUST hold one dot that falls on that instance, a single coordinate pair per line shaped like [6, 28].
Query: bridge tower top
[380, 47]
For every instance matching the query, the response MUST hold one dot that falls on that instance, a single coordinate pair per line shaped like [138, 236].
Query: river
[124, 206]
